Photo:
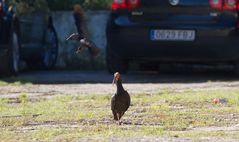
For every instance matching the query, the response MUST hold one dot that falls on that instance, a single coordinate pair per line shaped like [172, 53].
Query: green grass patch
[14, 81]
[167, 113]
[2, 83]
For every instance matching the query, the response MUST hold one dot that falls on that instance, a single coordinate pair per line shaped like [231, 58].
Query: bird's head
[117, 77]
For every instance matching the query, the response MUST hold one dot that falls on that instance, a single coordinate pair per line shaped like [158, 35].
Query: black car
[30, 37]
[173, 31]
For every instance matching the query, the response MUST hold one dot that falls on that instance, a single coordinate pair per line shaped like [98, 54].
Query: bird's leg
[79, 49]
[118, 116]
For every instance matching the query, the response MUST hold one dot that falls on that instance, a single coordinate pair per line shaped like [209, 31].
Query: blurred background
[33, 36]
[30, 24]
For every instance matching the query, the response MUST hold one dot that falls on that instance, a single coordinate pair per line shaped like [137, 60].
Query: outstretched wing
[75, 36]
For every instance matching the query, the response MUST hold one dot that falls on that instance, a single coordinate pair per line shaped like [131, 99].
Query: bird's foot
[79, 49]
[119, 122]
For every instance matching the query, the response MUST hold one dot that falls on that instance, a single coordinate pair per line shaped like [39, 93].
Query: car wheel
[49, 53]
[11, 59]
[114, 63]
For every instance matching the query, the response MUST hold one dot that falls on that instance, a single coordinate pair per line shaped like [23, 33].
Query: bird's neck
[120, 87]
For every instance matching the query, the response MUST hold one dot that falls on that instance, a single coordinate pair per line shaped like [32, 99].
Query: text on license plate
[172, 35]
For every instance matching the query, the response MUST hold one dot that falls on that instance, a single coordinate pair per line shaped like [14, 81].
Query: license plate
[172, 35]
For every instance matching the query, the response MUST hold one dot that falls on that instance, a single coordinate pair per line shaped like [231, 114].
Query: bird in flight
[84, 43]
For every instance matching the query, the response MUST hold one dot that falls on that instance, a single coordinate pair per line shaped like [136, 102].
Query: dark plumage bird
[84, 43]
[120, 101]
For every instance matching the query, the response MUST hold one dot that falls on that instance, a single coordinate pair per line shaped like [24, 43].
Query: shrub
[86, 4]
[25, 6]
[96, 4]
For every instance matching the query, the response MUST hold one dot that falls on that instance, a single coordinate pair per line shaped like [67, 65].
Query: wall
[96, 24]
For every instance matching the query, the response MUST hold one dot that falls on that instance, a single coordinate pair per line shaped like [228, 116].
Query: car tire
[49, 53]
[11, 59]
[114, 63]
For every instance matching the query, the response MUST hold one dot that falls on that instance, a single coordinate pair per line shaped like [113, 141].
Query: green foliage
[26, 6]
[86, 4]
[59, 4]
[96, 4]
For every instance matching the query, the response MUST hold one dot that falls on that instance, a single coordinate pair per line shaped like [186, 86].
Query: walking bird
[120, 101]
[84, 43]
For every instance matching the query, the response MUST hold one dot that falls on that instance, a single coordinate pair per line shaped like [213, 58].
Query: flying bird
[84, 43]
[120, 101]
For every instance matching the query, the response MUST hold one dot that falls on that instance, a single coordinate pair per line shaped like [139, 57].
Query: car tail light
[231, 5]
[125, 4]
[133, 4]
[216, 4]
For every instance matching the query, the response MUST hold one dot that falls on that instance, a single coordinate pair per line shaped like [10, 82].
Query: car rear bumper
[209, 45]
[3, 52]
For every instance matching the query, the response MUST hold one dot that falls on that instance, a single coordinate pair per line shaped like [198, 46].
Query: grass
[14, 81]
[166, 113]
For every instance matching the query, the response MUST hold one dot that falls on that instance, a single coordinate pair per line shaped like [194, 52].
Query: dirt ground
[51, 83]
